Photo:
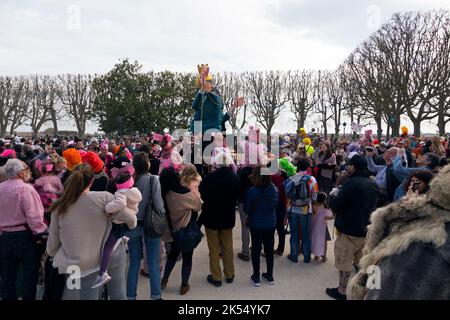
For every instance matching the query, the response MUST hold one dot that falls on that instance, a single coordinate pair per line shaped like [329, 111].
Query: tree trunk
[2, 132]
[269, 139]
[396, 126]
[379, 127]
[300, 124]
[337, 130]
[417, 124]
[55, 125]
[35, 133]
[80, 129]
[441, 118]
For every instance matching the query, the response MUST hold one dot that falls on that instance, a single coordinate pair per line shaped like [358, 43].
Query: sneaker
[230, 280]
[335, 294]
[215, 283]
[266, 277]
[243, 257]
[101, 280]
[255, 281]
[184, 289]
[164, 283]
[293, 260]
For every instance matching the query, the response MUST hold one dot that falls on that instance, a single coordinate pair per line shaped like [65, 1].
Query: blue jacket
[213, 117]
[260, 205]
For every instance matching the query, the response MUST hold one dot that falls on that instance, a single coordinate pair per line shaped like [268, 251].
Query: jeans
[262, 237]
[245, 231]
[85, 292]
[135, 250]
[186, 266]
[117, 270]
[295, 220]
[19, 248]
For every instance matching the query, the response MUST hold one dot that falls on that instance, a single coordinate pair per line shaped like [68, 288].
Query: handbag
[155, 222]
[187, 238]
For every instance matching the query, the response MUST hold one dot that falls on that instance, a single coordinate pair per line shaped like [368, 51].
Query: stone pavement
[292, 281]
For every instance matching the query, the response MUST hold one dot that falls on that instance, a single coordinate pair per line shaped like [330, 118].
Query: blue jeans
[295, 220]
[135, 250]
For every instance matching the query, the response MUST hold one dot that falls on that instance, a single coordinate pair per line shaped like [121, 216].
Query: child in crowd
[319, 227]
[123, 209]
[190, 178]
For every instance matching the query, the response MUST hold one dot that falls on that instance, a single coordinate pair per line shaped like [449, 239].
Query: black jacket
[354, 204]
[244, 175]
[100, 182]
[220, 193]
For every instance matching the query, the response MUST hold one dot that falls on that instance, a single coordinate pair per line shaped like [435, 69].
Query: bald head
[389, 154]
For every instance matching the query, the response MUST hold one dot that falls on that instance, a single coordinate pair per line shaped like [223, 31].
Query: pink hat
[8, 154]
[126, 169]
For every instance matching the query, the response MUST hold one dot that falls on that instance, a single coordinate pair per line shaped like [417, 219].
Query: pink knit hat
[8, 154]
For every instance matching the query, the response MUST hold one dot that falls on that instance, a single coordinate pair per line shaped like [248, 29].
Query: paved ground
[292, 281]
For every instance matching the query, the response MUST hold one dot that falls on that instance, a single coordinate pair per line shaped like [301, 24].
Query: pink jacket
[49, 189]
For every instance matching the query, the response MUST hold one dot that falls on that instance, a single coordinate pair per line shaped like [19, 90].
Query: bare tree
[322, 107]
[22, 95]
[15, 95]
[335, 96]
[441, 102]
[77, 96]
[231, 86]
[268, 95]
[302, 93]
[45, 95]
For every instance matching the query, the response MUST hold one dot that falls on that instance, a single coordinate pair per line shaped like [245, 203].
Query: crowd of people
[87, 202]
[81, 214]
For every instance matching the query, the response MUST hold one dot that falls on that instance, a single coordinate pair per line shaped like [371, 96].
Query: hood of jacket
[395, 227]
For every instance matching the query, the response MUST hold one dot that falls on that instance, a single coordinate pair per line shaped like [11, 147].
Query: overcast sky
[85, 36]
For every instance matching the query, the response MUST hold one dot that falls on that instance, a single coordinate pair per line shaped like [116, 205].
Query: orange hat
[94, 161]
[72, 157]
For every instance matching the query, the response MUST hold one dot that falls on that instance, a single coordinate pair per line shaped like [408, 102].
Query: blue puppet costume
[208, 103]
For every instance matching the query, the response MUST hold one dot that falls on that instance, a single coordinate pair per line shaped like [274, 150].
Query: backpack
[300, 194]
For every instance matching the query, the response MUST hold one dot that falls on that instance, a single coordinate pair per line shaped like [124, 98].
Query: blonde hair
[436, 146]
[188, 174]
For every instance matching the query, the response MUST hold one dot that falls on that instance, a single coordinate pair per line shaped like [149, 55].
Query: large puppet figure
[208, 103]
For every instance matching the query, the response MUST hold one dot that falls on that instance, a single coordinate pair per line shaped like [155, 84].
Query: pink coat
[49, 189]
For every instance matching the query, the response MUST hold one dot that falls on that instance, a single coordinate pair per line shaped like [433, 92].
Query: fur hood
[393, 228]
[49, 184]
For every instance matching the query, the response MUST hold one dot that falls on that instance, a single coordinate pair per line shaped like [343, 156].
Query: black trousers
[281, 231]
[19, 248]
[262, 237]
